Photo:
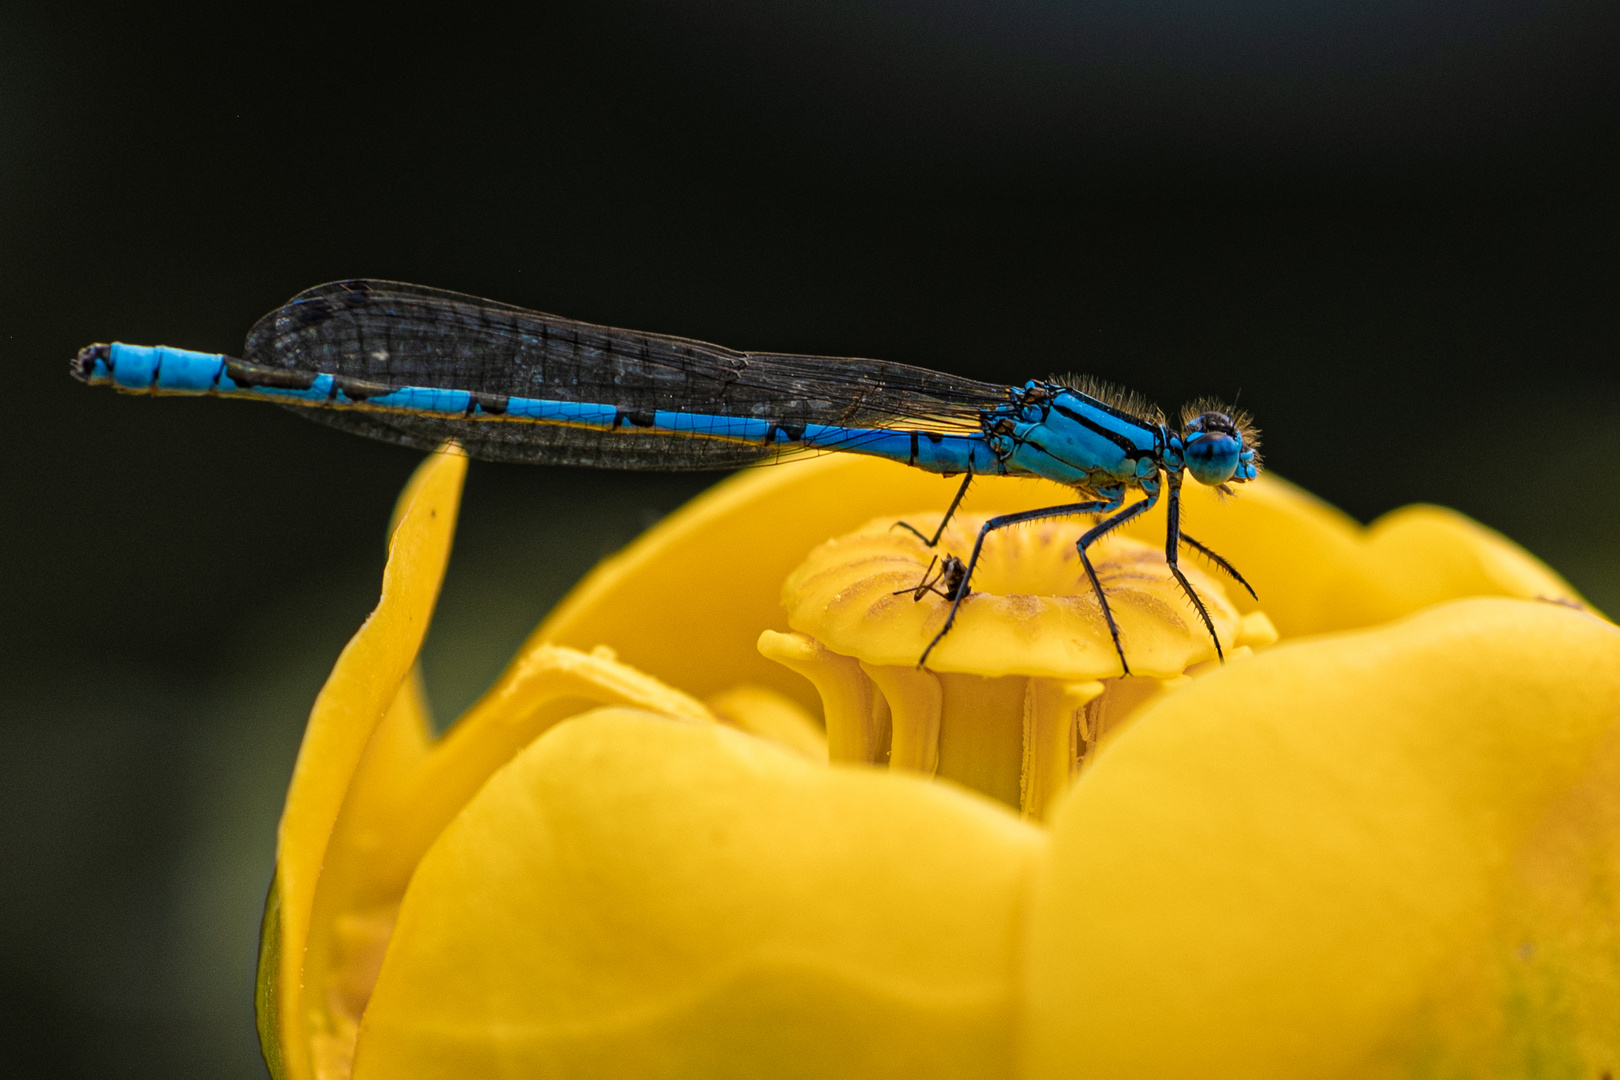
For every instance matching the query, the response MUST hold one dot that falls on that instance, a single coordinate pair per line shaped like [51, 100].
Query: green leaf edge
[267, 985]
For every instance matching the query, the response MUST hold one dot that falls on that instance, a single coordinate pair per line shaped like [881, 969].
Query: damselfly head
[1219, 445]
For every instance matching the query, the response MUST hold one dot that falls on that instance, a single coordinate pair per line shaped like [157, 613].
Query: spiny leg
[1220, 562]
[1002, 522]
[949, 512]
[1103, 529]
[925, 585]
[1172, 545]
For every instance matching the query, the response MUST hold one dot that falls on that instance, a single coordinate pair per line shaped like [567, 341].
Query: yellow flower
[1389, 846]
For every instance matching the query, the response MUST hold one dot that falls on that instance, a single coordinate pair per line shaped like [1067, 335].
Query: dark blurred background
[1391, 225]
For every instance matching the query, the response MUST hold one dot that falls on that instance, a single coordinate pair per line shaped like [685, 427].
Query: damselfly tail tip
[93, 363]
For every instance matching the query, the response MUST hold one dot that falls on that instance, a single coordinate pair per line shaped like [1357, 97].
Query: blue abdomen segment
[319, 389]
[707, 426]
[422, 399]
[158, 369]
[929, 451]
[574, 413]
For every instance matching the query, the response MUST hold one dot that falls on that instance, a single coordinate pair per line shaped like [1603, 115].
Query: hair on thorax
[1115, 397]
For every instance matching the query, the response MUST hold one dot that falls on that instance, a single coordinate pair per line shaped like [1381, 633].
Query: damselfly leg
[950, 511]
[1096, 506]
[1098, 532]
[1172, 548]
[1173, 540]
[1228, 568]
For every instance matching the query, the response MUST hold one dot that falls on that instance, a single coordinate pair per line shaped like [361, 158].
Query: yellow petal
[1388, 853]
[543, 686]
[769, 715]
[370, 792]
[360, 690]
[402, 795]
[350, 916]
[633, 896]
[1421, 555]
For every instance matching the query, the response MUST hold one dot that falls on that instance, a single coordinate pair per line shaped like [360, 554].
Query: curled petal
[398, 804]
[372, 790]
[634, 896]
[363, 686]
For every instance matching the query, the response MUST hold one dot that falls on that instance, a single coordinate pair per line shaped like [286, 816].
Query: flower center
[1022, 688]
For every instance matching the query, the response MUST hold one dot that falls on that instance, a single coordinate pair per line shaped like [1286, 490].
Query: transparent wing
[411, 335]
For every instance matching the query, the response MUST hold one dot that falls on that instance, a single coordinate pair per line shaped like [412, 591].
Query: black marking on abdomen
[494, 404]
[634, 417]
[362, 389]
[914, 436]
[249, 375]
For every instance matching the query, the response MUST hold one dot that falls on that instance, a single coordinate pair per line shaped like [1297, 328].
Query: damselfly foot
[950, 511]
